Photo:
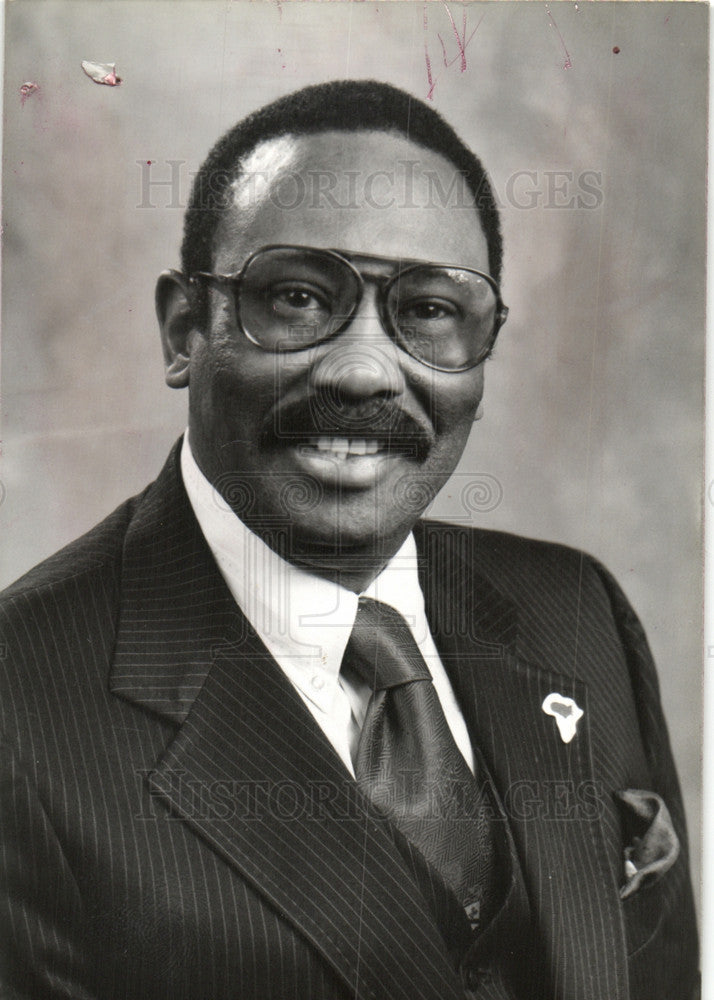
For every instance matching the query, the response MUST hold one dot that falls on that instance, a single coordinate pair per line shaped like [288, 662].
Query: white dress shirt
[305, 620]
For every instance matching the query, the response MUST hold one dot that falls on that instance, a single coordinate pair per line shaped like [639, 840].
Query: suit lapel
[548, 788]
[249, 770]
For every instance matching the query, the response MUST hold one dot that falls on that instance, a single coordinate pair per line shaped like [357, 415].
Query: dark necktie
[410, 768]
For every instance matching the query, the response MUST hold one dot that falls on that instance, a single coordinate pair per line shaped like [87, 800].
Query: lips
[345, 463]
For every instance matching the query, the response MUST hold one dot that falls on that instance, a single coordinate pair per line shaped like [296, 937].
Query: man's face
[348, 440]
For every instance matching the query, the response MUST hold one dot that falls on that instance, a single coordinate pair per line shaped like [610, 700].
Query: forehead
[365, 192]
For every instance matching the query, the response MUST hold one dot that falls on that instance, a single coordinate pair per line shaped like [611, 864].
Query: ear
[173, 309]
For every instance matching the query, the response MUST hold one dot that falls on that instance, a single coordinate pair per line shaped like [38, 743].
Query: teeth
[340, 446]
[344, 446]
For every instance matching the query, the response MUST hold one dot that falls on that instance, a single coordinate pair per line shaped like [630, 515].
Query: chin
[356, 530]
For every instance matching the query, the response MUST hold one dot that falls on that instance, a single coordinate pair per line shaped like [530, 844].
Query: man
[268, 735]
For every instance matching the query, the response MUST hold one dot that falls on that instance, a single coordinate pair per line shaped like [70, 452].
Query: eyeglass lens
[291, 298]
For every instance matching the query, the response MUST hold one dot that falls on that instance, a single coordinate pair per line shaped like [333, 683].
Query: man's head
[341, 105]
[366, 416]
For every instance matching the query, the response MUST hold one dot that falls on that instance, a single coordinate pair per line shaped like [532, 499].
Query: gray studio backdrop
[591, 120]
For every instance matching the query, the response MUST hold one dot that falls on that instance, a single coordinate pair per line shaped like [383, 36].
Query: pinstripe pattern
[578, 636]
[148, 738]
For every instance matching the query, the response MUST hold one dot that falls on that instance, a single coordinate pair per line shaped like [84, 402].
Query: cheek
[452, 401]
[228, 374]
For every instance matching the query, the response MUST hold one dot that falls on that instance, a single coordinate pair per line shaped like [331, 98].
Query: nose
[362, 362]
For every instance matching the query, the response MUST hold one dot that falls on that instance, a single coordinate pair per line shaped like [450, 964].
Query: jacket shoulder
[564, 598]
[100, 546]
[58, 626]
[511, 559]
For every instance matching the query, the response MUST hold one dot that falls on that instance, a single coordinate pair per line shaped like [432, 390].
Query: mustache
[325, 415]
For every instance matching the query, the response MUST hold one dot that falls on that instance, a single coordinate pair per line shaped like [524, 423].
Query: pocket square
[652, 843]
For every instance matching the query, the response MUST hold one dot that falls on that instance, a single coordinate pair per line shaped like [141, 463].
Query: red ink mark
[666, 19]
[462, 43]
[568, 61]
[148, 163]
[443, 50]
[105, 73]
[616, 49]
[27, 90]
[429, 77]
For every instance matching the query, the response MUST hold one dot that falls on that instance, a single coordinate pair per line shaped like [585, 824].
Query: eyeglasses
[289, 298]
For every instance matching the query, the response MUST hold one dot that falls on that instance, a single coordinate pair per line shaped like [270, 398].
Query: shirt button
[318, 682]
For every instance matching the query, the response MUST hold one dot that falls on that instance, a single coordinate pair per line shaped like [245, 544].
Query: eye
[297, 297]
[427, 309]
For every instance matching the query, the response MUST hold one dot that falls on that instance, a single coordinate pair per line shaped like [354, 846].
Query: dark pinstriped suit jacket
[175, 824]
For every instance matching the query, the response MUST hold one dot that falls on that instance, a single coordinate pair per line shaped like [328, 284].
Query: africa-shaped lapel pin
[566, 713]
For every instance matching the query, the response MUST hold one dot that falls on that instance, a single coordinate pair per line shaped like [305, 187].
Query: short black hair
[341, 105]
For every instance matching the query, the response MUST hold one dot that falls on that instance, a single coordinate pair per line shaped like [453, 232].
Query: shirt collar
[304, 620]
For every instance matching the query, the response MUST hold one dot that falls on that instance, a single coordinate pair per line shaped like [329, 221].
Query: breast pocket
[653, 876]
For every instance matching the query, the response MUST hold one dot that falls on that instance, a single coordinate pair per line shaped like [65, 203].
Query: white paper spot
[105, 73]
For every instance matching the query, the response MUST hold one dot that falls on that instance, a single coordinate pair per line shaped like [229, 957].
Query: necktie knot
[381, 648]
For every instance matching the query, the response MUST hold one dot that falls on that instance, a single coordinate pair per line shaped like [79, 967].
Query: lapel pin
[566, 713]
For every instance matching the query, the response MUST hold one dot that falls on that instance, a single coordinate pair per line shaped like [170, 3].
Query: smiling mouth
[348, 433]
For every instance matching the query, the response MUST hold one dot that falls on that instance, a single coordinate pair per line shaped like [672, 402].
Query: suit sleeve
[673, 949]
[40, 904]
[645, 686]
